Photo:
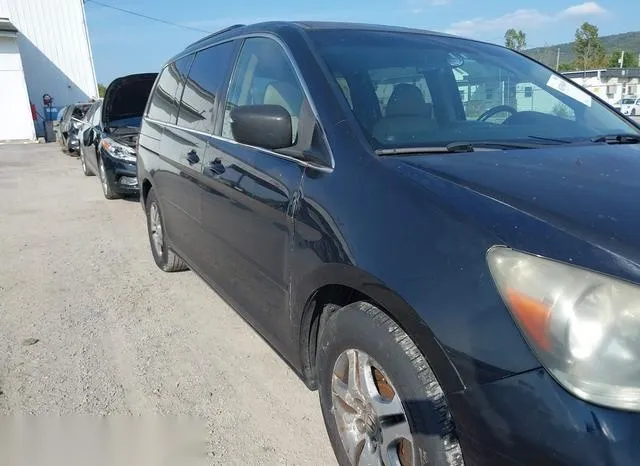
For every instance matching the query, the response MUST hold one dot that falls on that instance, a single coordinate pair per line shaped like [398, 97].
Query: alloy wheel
[369, 413]
[155, 224]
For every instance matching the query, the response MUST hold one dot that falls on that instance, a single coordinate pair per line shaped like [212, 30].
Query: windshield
[628, 101]
[130, 122]
[412, 90]
[79, 111]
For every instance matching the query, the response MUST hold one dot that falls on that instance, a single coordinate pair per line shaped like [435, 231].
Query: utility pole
[621, 59]
[558, 60]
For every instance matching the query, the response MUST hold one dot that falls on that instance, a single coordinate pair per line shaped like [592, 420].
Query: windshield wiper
[457, 147]
[449, 148]
[559, 141]
[624, 138]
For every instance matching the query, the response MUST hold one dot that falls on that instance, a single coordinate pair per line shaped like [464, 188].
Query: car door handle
[192, 157]
[216, 166]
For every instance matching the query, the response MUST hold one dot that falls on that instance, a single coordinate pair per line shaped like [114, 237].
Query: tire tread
[175, 263]
[433, 390]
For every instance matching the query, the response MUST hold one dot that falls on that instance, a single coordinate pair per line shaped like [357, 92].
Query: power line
[140, 15]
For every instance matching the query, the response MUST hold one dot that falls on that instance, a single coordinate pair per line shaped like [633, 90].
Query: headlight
[583, 326]
[117, 150]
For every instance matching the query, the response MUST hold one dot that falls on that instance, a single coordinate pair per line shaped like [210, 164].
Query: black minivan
[439, 234]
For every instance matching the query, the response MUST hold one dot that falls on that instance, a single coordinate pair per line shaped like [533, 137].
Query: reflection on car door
[185, 146]
[247, 205]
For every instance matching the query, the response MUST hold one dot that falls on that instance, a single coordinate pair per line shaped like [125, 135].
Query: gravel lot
[115, 335]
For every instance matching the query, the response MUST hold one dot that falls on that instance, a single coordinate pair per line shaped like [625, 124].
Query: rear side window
[206, 79]
[166, 96]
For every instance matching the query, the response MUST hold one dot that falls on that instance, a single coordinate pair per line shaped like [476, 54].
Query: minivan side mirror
[266, 126]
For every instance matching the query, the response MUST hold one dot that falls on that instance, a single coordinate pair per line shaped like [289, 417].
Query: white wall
[55, 49]
[15, 114]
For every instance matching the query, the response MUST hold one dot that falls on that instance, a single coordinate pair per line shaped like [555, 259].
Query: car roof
[280, 26]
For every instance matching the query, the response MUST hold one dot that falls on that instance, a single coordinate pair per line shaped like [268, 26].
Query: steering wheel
[495, 110]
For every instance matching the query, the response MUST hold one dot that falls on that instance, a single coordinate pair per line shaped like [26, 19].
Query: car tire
[85, 169]
[391, 394]
[164, 257]
[107, 189]
[633, 112]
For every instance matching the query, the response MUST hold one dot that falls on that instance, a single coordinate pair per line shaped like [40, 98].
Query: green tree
[568, 66]
[590, 52]
[630, 59]
[101, 89]
[515, 40]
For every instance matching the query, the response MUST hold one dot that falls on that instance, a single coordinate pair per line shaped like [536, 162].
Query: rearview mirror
[266, 126]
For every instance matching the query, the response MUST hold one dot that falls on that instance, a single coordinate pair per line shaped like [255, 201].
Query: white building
[609, 84]
[45, 49]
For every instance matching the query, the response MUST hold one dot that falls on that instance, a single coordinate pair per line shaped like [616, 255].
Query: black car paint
[269, 245]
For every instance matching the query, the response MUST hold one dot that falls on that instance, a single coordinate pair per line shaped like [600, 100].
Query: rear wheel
[381, 402]
[107, 190]
[164, 257]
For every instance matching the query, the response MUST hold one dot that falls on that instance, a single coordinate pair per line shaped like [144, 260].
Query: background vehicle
[368, 200]
[71, 121]
[114, 138]
[630, 106]
[57, 125]
[90, 125]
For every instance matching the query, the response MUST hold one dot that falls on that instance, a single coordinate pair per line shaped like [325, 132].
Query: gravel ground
[89, 325]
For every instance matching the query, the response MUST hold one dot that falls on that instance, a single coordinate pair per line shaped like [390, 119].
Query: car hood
[589, 193]
[126, 98]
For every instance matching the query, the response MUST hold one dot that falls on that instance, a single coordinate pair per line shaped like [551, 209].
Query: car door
[250, 194]
[180, 211]
[185, 145]
[89, 125]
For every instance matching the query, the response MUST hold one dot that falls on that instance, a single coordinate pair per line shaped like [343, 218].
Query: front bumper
[529, 420]
[121, 175]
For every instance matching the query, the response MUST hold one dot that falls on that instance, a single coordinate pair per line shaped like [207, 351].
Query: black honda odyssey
[438, 234]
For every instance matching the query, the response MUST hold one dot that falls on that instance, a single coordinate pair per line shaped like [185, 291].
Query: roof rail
[221, 31]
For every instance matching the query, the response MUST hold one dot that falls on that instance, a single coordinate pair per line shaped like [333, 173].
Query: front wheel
[381, 402]
[107, 190]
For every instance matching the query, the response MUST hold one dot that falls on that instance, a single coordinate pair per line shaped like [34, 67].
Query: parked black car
[439, 234]
[70, 123]
[115, 134]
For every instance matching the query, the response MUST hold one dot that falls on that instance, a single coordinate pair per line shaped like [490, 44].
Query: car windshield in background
[80, 110]
[413, 90]
[628, 101]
